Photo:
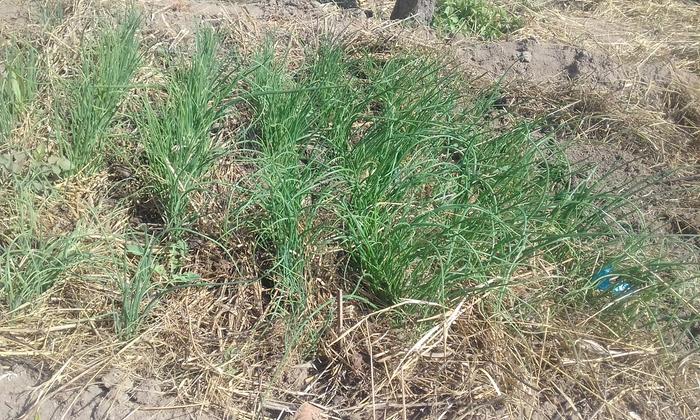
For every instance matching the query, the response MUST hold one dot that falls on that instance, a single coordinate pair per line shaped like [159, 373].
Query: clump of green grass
[177, 134]
[31, 263]
[53, 12]
[18, 85]
[135, 290]
[474, 17]
[436, 204]
[31, 266]
[386, 160]
[96, 92]
[284, 185]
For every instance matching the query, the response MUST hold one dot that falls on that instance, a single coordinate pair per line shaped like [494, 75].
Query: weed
[37, 167]
[474, 17]
[140, 292]
[282, 124]
[53, 12]
[135, 291]
[301, 121]
[427, 202]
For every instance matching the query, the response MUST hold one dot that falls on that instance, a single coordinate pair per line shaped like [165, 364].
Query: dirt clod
[309, 412]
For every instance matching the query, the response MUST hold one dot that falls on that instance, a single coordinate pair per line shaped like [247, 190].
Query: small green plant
[283, 125]
[474, 17]
[140, 291]
[136, 290]
[53, 12]
[12, 162]
[37, 162]
[95, 94]
[177, 132]
[34, 170]
[30, 264]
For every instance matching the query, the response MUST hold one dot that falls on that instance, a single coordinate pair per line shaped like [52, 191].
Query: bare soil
[538, 62]
[113, 395]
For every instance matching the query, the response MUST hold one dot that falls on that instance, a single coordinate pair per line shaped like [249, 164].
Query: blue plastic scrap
[608, 282]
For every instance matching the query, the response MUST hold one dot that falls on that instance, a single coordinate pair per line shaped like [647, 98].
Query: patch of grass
[427, 201]
[95, 93]
[176, 131]
[284, 125]
[379, 175]
[437, 203]
[30, 262]
[18, 85]
[134, 293]
[53, 12]
[474, 17]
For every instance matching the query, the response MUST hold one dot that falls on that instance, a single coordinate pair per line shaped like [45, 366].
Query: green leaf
[37, 186]
[64, 164]
[186, 278]
[40, 152]
[160, 270]
[134, 249]
[14, 82]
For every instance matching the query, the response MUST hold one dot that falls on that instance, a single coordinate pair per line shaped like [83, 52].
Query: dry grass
[660, 104]
[633, 32]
